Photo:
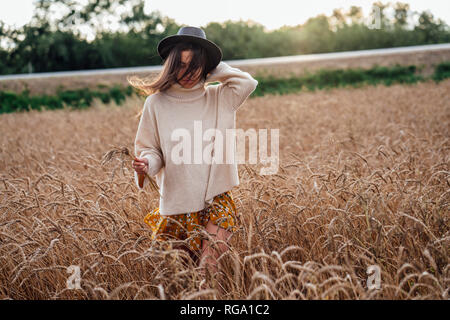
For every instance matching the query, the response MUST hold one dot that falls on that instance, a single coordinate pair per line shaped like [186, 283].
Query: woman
[194, 193]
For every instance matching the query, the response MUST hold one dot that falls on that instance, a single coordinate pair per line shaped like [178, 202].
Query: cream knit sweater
[189, 187]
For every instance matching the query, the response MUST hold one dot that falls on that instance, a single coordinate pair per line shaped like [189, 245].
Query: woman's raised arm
[236, 85]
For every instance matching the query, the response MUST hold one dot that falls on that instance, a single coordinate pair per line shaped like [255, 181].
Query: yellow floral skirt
[222, 212]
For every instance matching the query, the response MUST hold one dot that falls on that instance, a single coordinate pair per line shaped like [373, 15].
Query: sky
[272, 14]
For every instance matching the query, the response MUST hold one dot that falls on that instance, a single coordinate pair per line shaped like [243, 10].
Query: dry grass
[363, 180]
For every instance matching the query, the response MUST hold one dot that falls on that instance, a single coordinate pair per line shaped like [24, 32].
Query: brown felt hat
[195, 35]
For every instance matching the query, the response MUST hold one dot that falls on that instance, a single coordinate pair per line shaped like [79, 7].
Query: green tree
[315, 35]
[401, 15]
[54, 43]
[429, 30]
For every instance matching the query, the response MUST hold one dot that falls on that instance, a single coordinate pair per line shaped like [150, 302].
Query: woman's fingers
[140, 160]
[140, 165]
[142, 171]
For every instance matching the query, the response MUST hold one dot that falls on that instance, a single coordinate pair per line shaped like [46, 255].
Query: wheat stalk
[119, 152]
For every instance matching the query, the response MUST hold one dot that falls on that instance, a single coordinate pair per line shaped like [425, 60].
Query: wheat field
[363, 180]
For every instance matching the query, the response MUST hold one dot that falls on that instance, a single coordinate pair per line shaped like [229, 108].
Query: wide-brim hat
[195, 35]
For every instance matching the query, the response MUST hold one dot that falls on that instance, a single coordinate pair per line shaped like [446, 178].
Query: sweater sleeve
[147, 142]
[236, 85]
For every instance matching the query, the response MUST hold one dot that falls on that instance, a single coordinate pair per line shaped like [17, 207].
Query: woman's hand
[140, 165]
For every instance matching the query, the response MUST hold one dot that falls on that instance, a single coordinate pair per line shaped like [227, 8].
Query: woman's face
[190, 80]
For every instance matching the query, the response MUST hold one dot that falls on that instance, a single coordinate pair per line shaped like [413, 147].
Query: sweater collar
[178, 92]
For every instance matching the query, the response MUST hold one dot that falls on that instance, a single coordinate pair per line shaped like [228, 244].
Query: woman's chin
[187, 84]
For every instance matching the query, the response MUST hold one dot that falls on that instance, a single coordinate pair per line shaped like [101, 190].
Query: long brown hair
[172, 65]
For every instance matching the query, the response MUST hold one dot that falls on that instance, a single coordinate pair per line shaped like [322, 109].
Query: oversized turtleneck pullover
[173, 135]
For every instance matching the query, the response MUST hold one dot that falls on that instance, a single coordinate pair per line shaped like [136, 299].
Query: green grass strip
[75, 99]
[321, 79]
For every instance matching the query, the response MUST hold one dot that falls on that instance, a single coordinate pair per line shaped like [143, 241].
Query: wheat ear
[121, 151]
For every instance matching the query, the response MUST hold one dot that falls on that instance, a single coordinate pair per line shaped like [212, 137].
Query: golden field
[363, 180]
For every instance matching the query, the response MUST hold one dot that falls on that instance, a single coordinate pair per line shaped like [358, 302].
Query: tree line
[56, 43]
